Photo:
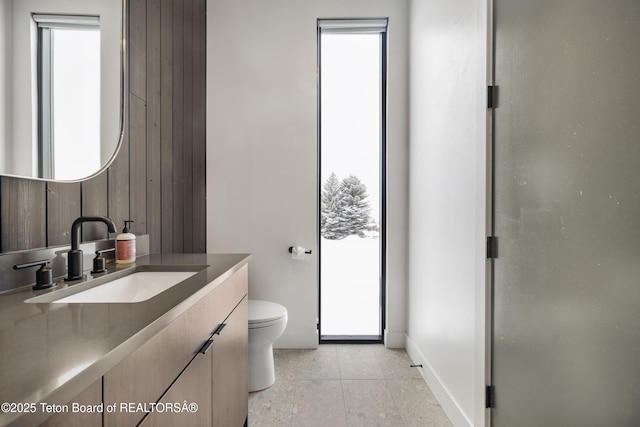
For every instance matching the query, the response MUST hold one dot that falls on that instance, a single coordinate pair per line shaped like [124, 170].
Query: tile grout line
[293, 401]
[344, 403]
[395, 403]
[339, 364]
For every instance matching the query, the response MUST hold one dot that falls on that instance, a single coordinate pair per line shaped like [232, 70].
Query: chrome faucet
[74, 256]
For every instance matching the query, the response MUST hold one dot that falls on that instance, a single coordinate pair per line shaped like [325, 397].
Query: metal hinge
[490, 396]
[492, 247]
[492, 96]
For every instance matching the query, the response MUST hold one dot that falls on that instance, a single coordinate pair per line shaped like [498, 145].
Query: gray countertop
[50, 352]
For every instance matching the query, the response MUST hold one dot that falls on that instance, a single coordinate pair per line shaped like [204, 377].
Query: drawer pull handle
[219, 328]
[206, 347]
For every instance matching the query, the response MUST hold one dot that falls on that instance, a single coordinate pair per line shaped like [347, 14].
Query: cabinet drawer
[193, 386]
[89, 398]
[148, 372]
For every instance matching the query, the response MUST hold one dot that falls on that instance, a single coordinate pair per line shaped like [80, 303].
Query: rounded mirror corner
[24, 152]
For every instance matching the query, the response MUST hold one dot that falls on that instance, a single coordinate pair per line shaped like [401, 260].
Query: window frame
[45, 24]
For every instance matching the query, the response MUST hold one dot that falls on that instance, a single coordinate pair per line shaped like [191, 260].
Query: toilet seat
[265, 313]
[260, 325]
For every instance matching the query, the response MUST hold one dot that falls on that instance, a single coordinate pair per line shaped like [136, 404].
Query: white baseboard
[394, 339]
[448, 403]
[309, 340]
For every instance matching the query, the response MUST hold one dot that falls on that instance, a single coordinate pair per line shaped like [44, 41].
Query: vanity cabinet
[217, 377]
[193, 385]
[230, 373]
[169, 368]
[89, 398]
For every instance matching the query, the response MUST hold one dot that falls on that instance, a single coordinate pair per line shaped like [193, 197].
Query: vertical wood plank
[118, 172]
[118, 176]
[23, 214]
[95, 202]
[166, 126]
[137, 116]
[189, 121]
[137, 48]
[63, 207]
[199, 127]
[154, 195]
[138, 165]
[178, 126]
[119, 185]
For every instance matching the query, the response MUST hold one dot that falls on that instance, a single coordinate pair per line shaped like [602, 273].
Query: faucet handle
[44, 275]
[99, 263]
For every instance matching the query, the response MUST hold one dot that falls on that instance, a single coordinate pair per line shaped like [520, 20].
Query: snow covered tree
[344, 208]
[356, 208]
[332, 225]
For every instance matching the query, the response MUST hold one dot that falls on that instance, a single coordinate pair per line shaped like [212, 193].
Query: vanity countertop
[50, 352]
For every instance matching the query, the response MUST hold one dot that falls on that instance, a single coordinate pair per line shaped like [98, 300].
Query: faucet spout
[74, 256]
[75, 228]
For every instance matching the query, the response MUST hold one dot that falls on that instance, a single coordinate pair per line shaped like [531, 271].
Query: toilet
[267, 321]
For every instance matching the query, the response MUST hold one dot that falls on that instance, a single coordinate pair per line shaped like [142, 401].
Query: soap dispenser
[126, 245]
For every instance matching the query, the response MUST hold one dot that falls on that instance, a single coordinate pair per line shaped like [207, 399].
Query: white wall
[6, 29]
[446, 327]
[262, 178]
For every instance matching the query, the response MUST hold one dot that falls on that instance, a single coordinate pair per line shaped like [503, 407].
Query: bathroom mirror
[61, 87]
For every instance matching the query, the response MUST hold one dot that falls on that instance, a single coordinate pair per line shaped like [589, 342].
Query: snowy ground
[350, 280]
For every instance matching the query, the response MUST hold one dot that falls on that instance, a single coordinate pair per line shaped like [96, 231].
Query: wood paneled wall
[158, 178]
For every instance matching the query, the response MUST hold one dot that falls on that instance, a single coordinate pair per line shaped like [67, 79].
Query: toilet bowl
[267, 321]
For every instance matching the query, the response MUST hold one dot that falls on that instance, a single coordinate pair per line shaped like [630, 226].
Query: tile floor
[346, 385]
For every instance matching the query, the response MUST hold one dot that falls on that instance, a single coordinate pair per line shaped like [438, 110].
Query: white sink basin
[136, 287]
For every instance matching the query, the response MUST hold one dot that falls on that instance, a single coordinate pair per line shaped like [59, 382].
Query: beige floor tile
[319, 403]
[396, 364]
[319, 364]
[272, 407]
[346, 385]
[417, 405]
[368, 403]
[359, 362]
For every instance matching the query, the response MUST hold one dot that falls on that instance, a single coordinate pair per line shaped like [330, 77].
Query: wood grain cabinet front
[230, 370]
[84, 410]
[213, 389]
[169, 369]
[187, 403]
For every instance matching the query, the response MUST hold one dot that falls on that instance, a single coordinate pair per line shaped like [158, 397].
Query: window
[68, 95]
[352, 117]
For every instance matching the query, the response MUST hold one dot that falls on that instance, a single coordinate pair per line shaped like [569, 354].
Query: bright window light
[76, 102]
[69, 95]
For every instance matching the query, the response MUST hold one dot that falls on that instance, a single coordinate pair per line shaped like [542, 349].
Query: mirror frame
[124, 85]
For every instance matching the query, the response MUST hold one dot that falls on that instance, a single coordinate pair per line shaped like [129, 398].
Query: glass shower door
[566, 343]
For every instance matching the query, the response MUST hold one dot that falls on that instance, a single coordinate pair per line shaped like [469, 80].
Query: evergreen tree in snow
[344, 208]
[332, 225]
[356, 209]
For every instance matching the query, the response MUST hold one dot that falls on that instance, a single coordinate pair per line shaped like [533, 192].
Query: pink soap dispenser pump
[126, 245]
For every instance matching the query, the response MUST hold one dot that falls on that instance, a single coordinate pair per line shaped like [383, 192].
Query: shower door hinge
[492, 96]
[492, 247]
[490, 396]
